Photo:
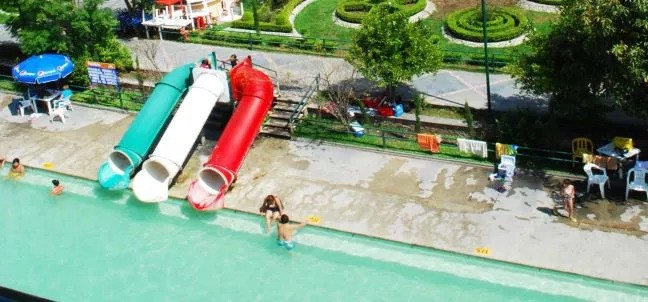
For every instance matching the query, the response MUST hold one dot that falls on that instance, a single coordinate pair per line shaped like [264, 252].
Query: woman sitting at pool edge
[272, 207]
[58, 187]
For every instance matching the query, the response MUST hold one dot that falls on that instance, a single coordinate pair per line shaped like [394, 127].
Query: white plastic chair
[23, 104]
[638, 183]
[59, 111]
[596, 179]
[507, 164]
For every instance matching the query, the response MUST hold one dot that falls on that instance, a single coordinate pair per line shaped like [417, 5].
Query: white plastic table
[619, 156]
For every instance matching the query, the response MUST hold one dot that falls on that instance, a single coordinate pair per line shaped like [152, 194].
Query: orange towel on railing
[429, 142]
[604, 162]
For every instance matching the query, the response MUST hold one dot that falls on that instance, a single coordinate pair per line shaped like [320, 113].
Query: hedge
[281, 24]
[354, 11]
[549, 2]
[509, 23]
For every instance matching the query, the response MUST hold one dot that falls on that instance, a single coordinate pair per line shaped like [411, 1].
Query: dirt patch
[445, 7]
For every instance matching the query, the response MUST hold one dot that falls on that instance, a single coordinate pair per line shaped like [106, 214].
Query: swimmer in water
[58, 187]
[17, 169]
[285, 232]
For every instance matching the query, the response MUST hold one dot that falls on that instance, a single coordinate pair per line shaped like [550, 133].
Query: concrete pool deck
[425, 202]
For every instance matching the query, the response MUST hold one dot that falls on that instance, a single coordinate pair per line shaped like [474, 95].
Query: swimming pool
[95, 245]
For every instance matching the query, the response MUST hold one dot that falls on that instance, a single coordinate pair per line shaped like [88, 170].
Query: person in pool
[17, 169]
[272, 207]
[2, 161]
[285, 232]
[58, 187]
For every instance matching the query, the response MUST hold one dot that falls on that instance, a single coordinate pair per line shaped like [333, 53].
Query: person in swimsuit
[17, 169]
[58, 187]
[272, 208]
[285, 232]
[568, 192]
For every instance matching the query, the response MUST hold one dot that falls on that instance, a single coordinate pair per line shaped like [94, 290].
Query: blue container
[398, 110]
[356, 129]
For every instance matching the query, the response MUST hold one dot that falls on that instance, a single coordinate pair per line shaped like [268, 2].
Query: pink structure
[253, 91]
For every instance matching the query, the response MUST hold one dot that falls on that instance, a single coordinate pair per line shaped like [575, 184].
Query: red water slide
[253, 91]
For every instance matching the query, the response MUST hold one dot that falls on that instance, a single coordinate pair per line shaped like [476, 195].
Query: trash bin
[356, 129]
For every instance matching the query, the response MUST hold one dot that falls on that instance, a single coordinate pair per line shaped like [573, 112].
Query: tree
[596, 52]
[389, 50]
[83, 31]
[134, 5]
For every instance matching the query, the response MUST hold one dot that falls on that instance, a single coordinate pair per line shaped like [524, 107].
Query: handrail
[314, 86]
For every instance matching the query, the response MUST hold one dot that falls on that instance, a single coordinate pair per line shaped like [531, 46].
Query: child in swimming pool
[285, 232]
[58, 187]
[17, 169]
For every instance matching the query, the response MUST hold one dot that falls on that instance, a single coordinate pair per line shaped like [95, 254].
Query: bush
[353, 11]
[505, 24]
[548, 2]
[281, 20]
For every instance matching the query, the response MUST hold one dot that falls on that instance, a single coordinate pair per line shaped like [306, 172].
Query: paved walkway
[431, 203]
[447, 87]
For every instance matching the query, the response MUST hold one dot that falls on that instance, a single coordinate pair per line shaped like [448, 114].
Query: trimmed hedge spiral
[353, 11]
[503, 24]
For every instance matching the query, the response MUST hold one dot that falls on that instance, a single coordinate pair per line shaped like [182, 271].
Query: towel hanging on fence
[473, 147]
[505, 149]
[429, 142]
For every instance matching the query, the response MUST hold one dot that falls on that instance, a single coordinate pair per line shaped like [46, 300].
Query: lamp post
[484, 19]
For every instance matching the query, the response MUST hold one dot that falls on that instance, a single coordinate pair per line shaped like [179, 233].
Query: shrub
[281, 20]
[354, 11]
[504, 24]
[548, 2]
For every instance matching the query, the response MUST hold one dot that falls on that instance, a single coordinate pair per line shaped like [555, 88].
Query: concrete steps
[278, 122]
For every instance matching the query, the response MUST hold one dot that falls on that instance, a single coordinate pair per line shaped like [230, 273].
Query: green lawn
[4, 17]
[316, 20]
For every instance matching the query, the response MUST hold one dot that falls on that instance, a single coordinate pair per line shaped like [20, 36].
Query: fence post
[121, 101]
[384, 143]
[250, 41]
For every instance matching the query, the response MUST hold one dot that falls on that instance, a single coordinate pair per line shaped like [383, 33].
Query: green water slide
[143, 133]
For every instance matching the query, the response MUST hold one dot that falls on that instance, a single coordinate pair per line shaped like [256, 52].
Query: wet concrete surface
[424, 202]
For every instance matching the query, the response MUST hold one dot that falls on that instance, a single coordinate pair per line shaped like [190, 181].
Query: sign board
[102, 73]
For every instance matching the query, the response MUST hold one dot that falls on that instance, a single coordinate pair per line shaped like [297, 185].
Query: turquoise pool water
[93, 245]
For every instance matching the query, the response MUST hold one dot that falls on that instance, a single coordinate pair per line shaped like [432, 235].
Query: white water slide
[151, 184]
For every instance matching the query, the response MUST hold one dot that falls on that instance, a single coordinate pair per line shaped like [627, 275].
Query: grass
[377, 138]
[4, 17]
[400, 138]
[453, 113]
[316, 20]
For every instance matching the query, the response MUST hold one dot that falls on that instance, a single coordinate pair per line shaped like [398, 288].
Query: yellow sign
[482, 251]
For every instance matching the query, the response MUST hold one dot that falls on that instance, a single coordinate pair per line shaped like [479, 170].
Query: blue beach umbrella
[43, 68]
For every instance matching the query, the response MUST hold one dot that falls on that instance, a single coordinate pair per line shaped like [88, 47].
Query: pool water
[94, 245]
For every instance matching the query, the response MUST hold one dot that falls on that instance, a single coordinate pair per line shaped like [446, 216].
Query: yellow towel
[502, 149]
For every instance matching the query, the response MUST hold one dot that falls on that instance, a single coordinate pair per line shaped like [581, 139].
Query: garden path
[538, 7]
[296, 71]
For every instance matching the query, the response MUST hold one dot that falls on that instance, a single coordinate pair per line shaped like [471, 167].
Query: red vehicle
[380, 104]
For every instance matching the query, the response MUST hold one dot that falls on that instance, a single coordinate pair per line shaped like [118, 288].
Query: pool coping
[183, 202]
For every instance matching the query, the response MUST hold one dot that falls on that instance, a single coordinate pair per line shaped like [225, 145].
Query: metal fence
[124, 98]
[326, 46]
[404, 141]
